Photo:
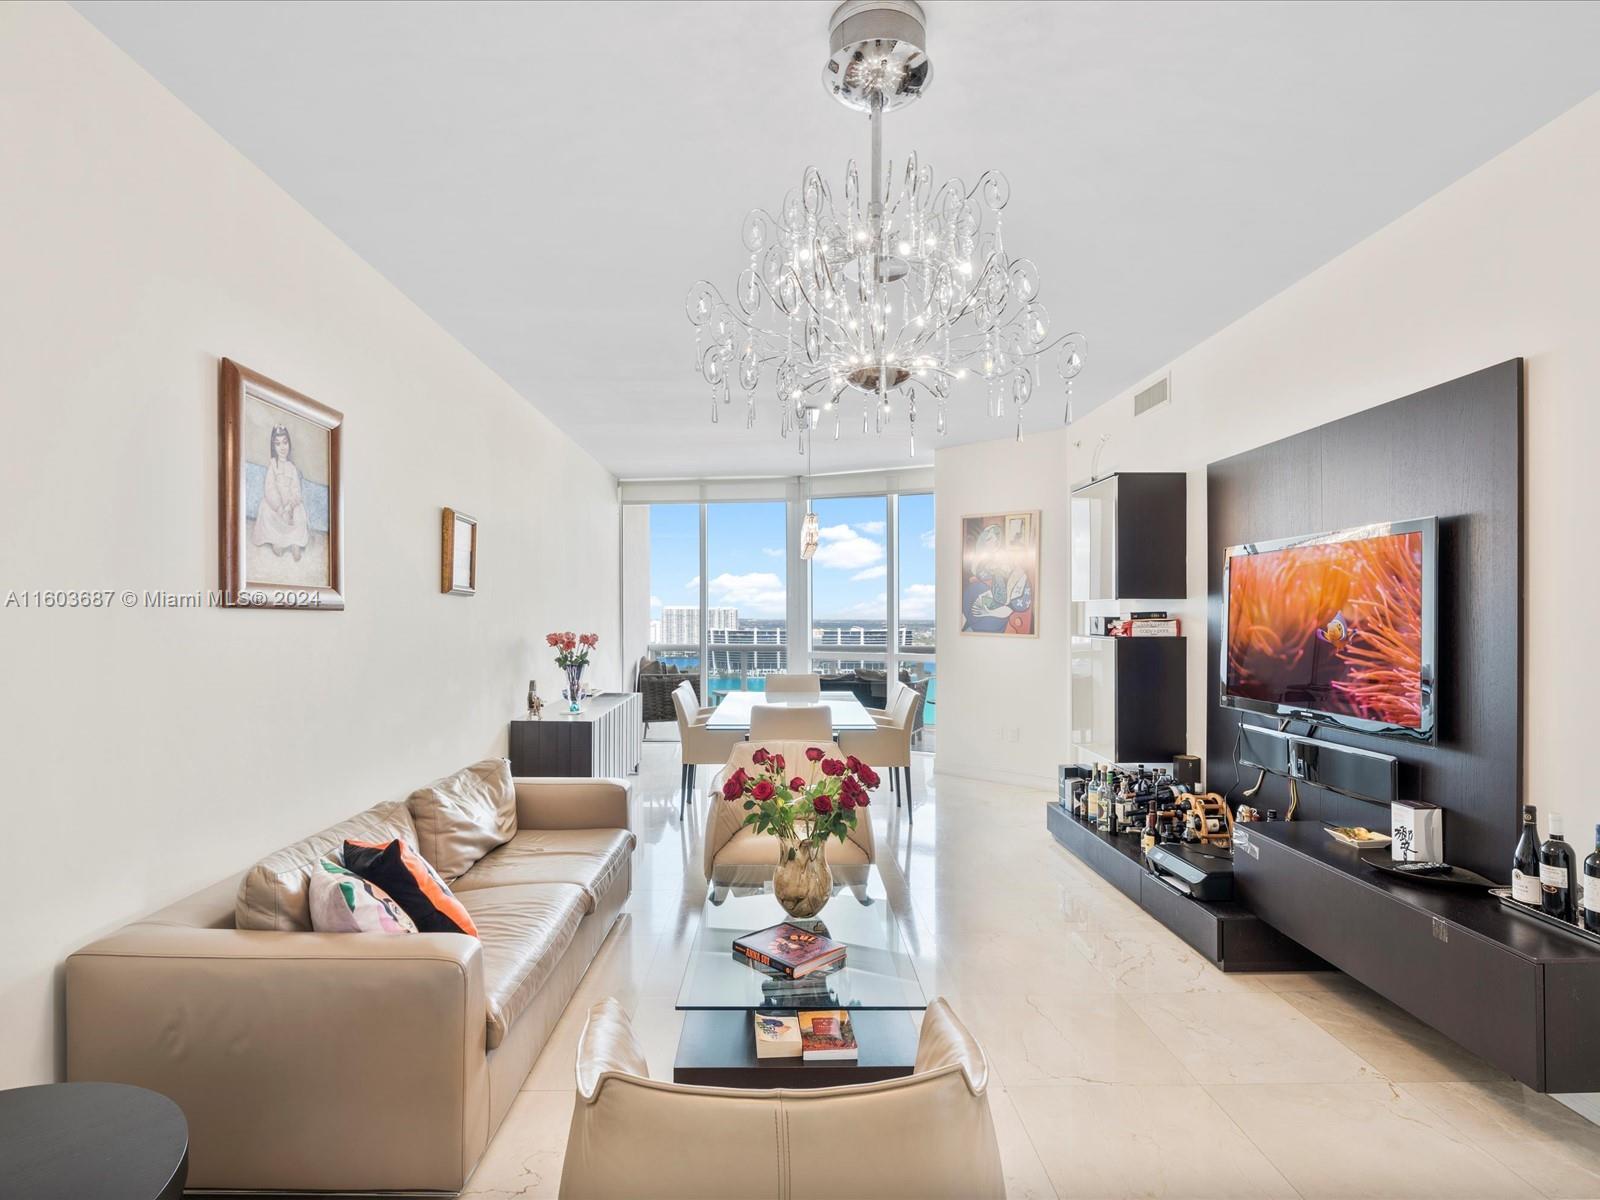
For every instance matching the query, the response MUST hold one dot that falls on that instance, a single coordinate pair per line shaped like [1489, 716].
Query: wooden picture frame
[458, 553]
[281, 501]
[1000, 574]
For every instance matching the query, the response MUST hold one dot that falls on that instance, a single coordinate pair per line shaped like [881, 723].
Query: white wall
[1503, 263]
[148, 753]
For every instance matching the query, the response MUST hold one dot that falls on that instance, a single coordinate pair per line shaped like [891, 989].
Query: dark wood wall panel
[1455, 452]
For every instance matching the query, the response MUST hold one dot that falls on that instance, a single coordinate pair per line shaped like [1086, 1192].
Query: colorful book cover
[827, 1034]
[787, 948]
[777, 1035]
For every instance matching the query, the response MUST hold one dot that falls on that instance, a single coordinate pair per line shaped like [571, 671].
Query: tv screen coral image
[1335, 627]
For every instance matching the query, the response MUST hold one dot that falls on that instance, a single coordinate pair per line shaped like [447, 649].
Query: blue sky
[745, 558]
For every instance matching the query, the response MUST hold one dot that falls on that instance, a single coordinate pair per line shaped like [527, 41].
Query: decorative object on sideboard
[572, 656]
[1000, 574]
[281, 527]
[1418, 831]
[1558, 874]
[458, 553]
[535, 701]
[802, 805]
[870, 299]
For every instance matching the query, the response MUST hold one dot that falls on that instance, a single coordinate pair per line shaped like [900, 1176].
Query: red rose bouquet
[572, 656]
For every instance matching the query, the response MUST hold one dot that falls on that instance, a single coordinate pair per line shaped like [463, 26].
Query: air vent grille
[1154, 396]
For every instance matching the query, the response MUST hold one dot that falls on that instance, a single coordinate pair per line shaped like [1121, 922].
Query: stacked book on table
[790, 951]
[823, 1036]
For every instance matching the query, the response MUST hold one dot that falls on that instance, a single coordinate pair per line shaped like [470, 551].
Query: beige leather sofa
[730, 842]
[927, 1136]
[355, 1062]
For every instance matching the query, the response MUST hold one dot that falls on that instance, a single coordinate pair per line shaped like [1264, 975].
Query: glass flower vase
[574, 688]
[802, 883]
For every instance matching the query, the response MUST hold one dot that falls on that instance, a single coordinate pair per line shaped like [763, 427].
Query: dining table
[733, 711]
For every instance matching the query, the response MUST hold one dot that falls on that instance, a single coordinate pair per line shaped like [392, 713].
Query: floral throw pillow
[343, 902]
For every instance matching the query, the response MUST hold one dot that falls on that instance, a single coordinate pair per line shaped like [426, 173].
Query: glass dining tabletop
[846, 712]
[877, 972]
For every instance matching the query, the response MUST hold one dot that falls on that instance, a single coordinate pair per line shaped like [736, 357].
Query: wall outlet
[1013, 733]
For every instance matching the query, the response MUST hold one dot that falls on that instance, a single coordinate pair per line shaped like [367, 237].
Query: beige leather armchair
[700, 746]
[888, 747]
[927, 1136]
[728, 841]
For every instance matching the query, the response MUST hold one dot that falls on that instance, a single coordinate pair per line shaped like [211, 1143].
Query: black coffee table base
[718, 1049]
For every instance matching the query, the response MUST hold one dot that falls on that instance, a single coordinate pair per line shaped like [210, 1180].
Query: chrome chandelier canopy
[889, 297]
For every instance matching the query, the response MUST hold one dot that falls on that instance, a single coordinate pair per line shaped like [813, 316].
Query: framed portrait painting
[282, 525]
[458, 557]
[1000, 574]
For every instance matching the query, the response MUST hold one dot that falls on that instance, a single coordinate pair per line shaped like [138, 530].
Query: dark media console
[1517, 994]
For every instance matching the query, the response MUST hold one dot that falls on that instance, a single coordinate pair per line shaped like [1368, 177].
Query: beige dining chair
[701, 746]
[801, 721]
[928, 1135]
[729, 841]
[888, 747]
[793, 685]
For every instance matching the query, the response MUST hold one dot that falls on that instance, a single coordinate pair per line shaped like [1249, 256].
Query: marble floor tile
[1542, 1140]
[1393, 1041]
[1149, 959]
[523, 1162]
[1026, 1178]
[1342, 1140]
[1100, 1142]
[1053, 1039]
[1248, 1037]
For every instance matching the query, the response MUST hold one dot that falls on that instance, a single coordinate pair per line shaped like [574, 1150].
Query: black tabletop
[91, 1141]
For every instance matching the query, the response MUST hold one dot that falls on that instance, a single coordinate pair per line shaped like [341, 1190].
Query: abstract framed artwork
[282, 516]
[458, 556]
[1000, 574]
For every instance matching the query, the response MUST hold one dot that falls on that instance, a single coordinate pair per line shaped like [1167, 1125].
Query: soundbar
[1363, 774]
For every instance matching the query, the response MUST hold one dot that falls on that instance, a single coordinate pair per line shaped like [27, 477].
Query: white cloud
[916, 602]
[871, 526]
[926, 538]
[869, 610]
[756, 594]
[844, 549]
[655, 601]
[877, 572]
[692, 584]
[772, 552]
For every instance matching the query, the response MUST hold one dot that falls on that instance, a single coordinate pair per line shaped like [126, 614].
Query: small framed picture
[282, 517]
[458, 558]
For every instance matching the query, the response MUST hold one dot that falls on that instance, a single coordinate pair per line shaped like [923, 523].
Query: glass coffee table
[877, 983]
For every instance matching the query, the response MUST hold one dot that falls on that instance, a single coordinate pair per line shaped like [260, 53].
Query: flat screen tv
[1335, 628]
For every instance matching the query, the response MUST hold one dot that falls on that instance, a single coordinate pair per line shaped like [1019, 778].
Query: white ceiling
[547, 180]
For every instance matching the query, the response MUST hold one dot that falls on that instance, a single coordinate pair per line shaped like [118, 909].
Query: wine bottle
[1591, 887]
[1558, 874]
[1525, 861]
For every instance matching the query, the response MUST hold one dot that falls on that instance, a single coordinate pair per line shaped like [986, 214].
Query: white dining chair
[768, 722]
[792, 684]
[701, 746]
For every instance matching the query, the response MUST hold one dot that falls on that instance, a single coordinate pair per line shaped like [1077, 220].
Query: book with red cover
[790, 950]
[826, 1035]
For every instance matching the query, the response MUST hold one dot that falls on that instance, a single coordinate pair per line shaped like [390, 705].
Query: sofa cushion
[276, 892]
[525, 929]
[415, 886]
[590, 858]
[463, 816]
[343, 902]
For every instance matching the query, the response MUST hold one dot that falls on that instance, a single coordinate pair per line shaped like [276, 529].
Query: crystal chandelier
[891, 298]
